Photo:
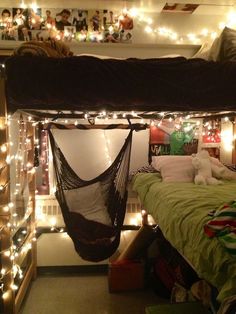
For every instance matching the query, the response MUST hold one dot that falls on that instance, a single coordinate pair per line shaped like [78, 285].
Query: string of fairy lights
[205, 35]
[12, 253]
[18, 224]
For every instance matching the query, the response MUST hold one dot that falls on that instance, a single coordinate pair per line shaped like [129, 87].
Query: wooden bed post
[234, 145]
[8, 296]
[32, 188]
[31, 271]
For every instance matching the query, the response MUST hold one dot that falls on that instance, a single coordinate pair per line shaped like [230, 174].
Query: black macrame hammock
[93, 210]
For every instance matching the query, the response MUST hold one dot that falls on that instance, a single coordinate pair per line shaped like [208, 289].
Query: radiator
[48, 206]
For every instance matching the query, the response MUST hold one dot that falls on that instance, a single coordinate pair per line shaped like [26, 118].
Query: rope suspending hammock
[93, 210]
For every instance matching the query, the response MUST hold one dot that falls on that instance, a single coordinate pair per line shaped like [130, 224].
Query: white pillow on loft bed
[223, 47]
[110, 57]
[98, 56]
[203, 52]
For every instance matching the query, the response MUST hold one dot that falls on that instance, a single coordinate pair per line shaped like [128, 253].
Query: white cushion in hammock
[89, 202]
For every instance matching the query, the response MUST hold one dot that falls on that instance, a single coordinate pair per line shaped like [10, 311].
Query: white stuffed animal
[206, 171]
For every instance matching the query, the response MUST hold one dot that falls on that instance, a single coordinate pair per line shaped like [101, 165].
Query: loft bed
[154, 84]
[73, 86]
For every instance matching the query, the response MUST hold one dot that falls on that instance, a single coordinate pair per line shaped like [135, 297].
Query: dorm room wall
[228, 137]
[192, 30]
[147, 42]
[92, 151]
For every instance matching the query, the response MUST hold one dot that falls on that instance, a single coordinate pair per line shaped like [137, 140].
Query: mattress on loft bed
[181, 210]
[87, 83]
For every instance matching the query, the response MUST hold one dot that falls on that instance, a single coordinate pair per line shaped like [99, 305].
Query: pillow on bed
[203, 52]
[214, 50]
[98, 56]
[144, 169]
[216, 162]
[174, 168]
[224, 47]
[170, 56]
[229, 172]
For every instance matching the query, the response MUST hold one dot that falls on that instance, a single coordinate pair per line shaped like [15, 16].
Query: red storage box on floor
[125, 275]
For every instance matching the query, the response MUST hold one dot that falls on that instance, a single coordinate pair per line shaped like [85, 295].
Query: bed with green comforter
[181, 210]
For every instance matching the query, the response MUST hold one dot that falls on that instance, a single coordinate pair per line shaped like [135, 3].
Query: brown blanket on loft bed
[88, 83]
[49, 48]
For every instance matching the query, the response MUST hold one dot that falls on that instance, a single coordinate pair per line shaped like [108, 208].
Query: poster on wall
[66, 24]
[7, 31]
[159, 143]
[211, 137]
[173, 137]
[211, 132]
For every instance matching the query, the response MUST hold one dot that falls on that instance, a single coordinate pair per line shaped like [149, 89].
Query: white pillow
[225, 173]
[215, 49]
[174, 168]
[89, 202]
[203, 52]
[216, 162]
[170, 56]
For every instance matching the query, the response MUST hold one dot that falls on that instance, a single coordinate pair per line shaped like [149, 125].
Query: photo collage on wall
[66, 24]
[211, 137]
[172, 138]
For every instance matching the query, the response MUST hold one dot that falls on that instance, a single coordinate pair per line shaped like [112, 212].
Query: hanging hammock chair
[93, 210]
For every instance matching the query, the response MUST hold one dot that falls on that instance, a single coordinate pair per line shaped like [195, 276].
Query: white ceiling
[206, 7]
